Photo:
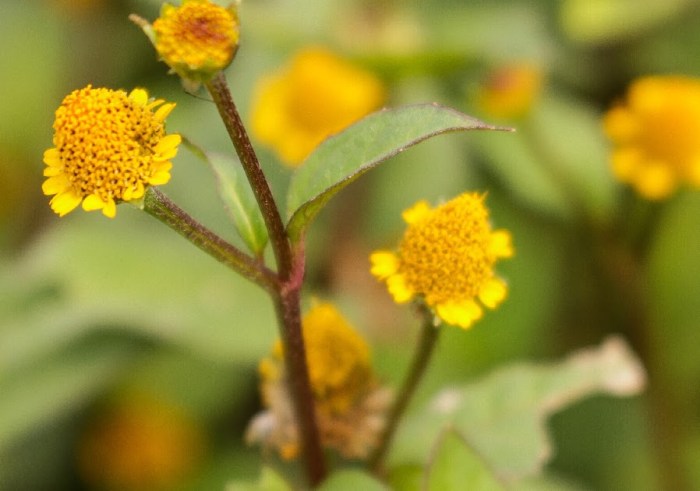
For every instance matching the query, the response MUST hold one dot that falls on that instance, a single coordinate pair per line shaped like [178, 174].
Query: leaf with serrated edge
[344, 157]
[503, 416]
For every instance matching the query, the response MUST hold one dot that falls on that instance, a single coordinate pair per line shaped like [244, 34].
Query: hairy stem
[218, 88]
[290, 273]
[424, 351]
[162, 208]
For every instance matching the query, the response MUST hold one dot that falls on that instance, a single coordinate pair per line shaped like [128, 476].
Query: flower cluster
[656, 135]
[446, 258]
[109, 146]
[316, 95]
[349, 403]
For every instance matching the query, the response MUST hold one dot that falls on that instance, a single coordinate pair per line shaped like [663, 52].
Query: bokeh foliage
[92, 311]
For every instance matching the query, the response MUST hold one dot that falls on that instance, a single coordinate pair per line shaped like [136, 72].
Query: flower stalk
[161, 207]
[218, 88]
[287, 293]
[422, 356]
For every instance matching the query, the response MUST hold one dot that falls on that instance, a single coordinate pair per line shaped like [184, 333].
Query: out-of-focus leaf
[269, 481]
[503, 416]
[351, 480]
[674, 269]
[490, 31]
[237, 196]
[548, 482]
[343, 158]
[51, 388]
[408, 477]
[569, 135]
[127, 274]
[520, 170]
[456, 466]
[599, 21]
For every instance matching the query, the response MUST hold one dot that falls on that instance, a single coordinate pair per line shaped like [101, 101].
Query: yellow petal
[399, 290]
[501, 243]
[163, 112]
[462, 314]
[493, 292]
[52, 171]
[56, 184]
[93, 202]
[110, 209]
[167, 146]
[384, 264]
[139, 96]
[416, 212]
[52, 157]
[625, 162]
[655, 180]
[64, 203]
[159, 178]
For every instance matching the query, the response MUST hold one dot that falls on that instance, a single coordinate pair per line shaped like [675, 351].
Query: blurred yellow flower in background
[655, 134]
[510, 91]
[349, 404]
[316, 95]
[446, 257]
[140, 443]
[109, 146]
[196, 39]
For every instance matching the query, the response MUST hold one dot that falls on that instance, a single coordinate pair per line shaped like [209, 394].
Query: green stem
[218, 88]
[422, 355]
[162, 208]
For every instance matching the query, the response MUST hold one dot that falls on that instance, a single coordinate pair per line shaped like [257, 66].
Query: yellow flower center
[196, 36]
[446, 255]
[106, 142]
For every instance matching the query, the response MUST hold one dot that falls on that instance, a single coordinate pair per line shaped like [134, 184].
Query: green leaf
[237, 196]
[503, 416]
[456, 466]
[351, 480]
[342, 158]
[269, 480]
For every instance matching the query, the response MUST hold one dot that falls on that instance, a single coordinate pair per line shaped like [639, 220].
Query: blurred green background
[121, 318]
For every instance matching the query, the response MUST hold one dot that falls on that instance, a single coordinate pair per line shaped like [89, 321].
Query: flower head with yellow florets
[656, 135]
[317, 94]
[197, 39]
[446, 258]
[109, 147]
[349, 403]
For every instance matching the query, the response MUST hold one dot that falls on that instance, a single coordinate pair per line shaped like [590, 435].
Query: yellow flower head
[446, 258]
[349, 405]
[109, 146]
[197, 39]
[140, 444]
[510, 91]
[656, 135]
[316, 95]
